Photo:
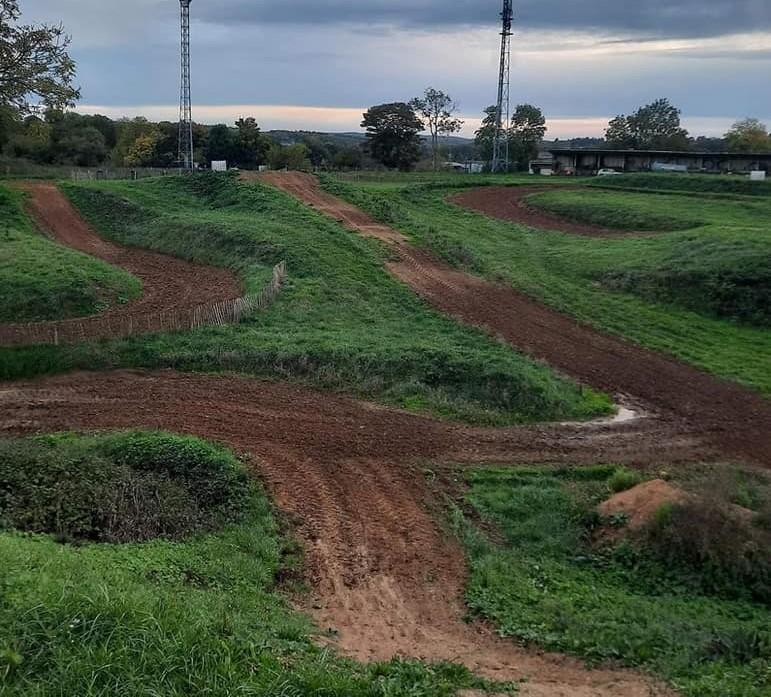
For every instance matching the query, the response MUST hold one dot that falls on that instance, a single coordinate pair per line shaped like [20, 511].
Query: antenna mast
[500, 161]
[185, 98]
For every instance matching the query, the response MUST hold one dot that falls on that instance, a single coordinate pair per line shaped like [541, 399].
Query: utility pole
[185, 98]
[501, 156]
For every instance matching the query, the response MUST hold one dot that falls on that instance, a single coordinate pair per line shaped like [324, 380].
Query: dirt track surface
[349, 475]
[734, 420]
[169, 283]
[510, 203]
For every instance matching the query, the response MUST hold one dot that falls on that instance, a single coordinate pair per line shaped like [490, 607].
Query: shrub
[124, 487]
[716, 545]
[623, 479]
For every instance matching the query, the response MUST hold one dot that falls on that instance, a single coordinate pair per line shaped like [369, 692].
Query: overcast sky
[315, 64]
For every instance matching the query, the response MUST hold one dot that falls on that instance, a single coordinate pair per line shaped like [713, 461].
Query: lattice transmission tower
[185, 97]
[501, 153]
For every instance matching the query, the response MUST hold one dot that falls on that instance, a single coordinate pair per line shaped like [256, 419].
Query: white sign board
[219, 165]
[758, 176]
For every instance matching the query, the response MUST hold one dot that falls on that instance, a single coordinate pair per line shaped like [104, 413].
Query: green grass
[41, 280]
[613, 210]
[721, 185]
[542, 582]
[342, 322]
[205, 616]
[700, 294]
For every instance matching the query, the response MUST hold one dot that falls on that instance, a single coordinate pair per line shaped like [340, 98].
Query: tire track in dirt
[510, 203]
[736, 420]
[387, 579]
[169, 283]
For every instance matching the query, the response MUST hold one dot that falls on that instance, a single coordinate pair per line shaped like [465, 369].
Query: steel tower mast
[500, 161]
[185, 98]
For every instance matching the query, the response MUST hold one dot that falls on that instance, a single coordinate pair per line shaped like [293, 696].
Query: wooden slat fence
[72, 331]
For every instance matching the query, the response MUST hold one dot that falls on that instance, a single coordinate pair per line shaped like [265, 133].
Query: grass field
[543, 581]
[203, 615]
[41, 280]
[342, 322]
[700, 294]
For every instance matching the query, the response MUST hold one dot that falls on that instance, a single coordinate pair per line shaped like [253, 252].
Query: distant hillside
[351, 139]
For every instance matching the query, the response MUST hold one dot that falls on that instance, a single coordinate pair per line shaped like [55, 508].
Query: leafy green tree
[143, 152]
[34, 63]
[348, 158]
[293, 157]
[252, 146]
[393, 135]
[32, 140]
[221, 144]
[749, 135]
[485, 135]
[655, 126]
[128, 130]
[437, 110]
[528, 127]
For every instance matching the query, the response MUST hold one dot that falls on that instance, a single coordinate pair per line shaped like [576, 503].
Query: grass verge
[203, 616]
[544, 582]
[342, 322]
[41, 280]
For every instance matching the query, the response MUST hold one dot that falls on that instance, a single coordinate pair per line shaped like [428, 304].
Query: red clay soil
[169, 283]
[385, 575]
[733, 419]
[510, 203]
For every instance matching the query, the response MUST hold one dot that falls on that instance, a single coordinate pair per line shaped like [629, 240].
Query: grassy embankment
[700, 294]
[41, 280]
[342, 322]
[702, 625]
[198, 610]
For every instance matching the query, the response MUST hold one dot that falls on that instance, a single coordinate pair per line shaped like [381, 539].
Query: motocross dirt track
[510, 203]
[350, 476]
[168, 283]
[735, 420]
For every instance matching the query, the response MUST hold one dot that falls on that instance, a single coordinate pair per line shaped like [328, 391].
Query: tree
[528, 127]
[348, 158]
[654, 126]
[485, 135]
[143, 152]
[252, 146]
[34, 63]
[437, 110]
[393, 135]
[221, 144]
[294, 157]
[749, 135]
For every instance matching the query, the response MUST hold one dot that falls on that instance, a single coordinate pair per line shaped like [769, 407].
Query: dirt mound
[733, 418]
[641, 502]
[168, 283]
[510, 203]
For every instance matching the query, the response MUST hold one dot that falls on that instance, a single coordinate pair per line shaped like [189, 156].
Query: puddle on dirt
[623, 415]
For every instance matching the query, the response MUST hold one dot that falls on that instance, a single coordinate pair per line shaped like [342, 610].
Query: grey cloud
[664, 18]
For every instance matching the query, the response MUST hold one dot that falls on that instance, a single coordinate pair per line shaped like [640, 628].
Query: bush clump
[125, 487]
[717, 546]
[623, 480]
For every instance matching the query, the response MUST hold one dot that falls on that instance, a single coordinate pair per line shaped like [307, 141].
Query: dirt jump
[168, 283]
[510, 203]
[733, 419]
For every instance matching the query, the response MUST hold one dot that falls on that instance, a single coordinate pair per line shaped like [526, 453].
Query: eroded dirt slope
[734, 419]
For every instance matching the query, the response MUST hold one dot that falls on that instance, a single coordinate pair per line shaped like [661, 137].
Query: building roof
[662, 153]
